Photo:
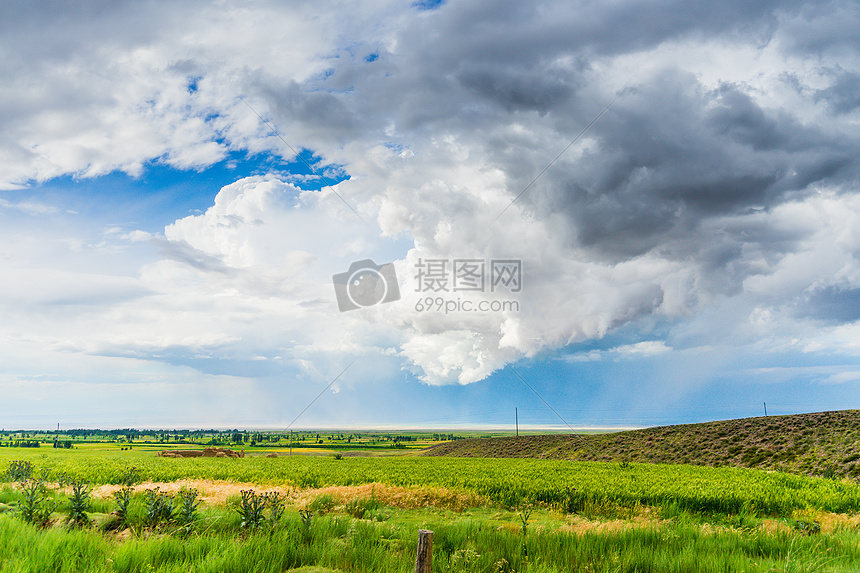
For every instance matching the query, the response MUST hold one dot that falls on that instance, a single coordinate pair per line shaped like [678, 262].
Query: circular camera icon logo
[366, 287]
[365, 284]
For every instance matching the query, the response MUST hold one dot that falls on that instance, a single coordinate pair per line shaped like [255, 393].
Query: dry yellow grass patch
[830, 522]
[395, 496]
[643, 518]
[580, 525]
[214, 492]
[211, 492]
[775, 526]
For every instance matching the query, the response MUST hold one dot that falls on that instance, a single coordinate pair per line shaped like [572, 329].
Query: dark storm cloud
[672, 157]
[822, 28]
[672, 154]
[843, 95]
[832, 304]
[468, 65]
[65, 29]
[319, 112]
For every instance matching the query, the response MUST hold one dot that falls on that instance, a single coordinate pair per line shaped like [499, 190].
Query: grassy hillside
[824, 443]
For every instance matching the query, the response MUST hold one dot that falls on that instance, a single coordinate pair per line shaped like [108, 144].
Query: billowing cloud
[714, 203]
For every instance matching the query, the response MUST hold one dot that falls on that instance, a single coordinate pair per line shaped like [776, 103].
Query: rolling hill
[823, 443]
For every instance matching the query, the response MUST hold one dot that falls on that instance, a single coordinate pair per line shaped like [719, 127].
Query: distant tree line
[22, 444]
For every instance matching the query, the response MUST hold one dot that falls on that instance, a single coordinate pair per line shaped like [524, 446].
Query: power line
[323, 392]
[511, 368]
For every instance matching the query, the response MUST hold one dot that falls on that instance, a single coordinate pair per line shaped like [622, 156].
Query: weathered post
[424, 559]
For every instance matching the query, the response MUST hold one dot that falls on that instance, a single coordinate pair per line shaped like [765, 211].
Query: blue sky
[167, 260]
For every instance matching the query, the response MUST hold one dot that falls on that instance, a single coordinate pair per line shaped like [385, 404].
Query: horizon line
[368, 428]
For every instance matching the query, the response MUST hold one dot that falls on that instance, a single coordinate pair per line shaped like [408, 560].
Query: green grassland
[585, 516]
[503, 481]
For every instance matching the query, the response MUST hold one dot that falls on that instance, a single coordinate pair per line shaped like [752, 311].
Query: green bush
[35, 506]
[79, 504]
[123, 500]
[187, 512]
[251, 508]
[159, 507]
[19, 470]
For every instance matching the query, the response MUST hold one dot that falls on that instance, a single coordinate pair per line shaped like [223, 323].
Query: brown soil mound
[205, 453]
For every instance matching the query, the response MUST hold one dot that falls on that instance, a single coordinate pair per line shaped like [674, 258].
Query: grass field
[503, 481]
[365, 513]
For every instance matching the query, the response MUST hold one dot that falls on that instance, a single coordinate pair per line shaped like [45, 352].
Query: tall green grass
[342, 543]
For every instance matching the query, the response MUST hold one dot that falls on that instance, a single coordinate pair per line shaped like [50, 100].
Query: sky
[427, 214]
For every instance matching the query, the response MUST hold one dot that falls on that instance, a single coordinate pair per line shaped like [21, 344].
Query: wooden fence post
[424, 559]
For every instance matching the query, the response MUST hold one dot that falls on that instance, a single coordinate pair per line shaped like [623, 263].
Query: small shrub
[159, 507]
[807, 527]
[569, 503]
[79, 504]
[187, 514]
[338, 456]
[251, 508]
[35, 507]
[19, 470]
[307, 524]
[359, 508]
[275, 503]
[130, 477]
[123, 500]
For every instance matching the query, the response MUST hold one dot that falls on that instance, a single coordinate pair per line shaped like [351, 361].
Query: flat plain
[343, 511]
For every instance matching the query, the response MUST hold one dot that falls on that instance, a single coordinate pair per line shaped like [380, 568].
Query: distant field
[376, 442]
[822, 444]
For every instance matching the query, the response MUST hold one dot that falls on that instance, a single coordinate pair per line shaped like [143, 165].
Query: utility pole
[765, 409]
[291, 442]
[517, 419]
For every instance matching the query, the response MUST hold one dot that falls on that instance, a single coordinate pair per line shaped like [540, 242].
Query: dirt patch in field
[214, 492]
